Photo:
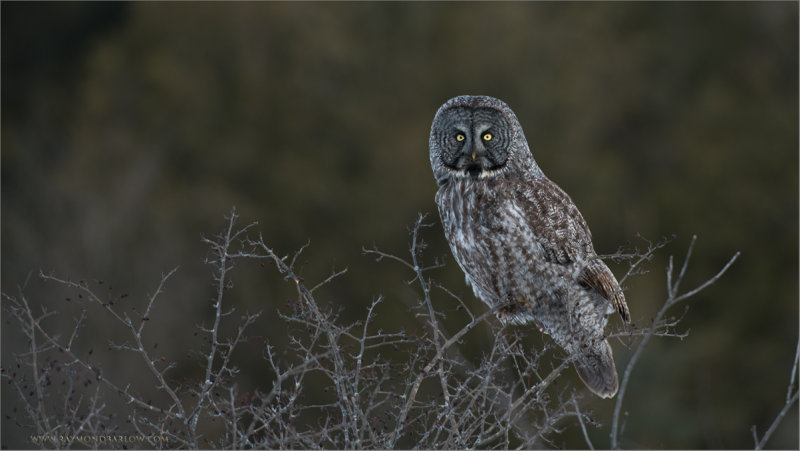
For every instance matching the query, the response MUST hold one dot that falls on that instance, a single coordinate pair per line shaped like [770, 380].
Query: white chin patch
[483, 174]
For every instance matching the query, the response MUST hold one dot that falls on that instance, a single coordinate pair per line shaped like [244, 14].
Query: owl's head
[477, 137]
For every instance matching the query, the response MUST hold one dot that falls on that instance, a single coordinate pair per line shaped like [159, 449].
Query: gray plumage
[522, 243]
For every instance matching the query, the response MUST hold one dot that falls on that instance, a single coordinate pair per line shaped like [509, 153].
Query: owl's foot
[518, 313]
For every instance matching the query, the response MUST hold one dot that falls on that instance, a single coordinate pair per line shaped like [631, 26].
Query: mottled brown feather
[552, 214]
[600, 278]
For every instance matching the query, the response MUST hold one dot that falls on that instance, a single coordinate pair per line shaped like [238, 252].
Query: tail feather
[597, 370]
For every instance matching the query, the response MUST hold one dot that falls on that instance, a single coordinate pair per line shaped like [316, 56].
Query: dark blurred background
[130, 129]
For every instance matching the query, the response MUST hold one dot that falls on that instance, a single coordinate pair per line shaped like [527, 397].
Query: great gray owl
[521, 242]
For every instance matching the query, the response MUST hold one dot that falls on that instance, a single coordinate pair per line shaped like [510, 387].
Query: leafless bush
[383, 388]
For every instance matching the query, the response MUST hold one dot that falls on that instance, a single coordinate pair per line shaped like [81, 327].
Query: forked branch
[673, 297]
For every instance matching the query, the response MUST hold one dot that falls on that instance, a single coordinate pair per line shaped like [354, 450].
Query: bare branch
[672, 298]
[791, 397]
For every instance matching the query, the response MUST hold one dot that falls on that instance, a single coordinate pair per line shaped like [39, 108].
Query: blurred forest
[130, 129]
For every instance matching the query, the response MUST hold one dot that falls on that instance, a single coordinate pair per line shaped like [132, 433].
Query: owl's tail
[597, 370]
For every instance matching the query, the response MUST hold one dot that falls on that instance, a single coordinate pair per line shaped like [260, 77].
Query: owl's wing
[598, 276]
[563, 234]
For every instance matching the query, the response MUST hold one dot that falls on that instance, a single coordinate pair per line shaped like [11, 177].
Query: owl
[522, 243]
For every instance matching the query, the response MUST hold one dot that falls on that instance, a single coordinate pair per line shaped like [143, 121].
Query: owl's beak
[473, 161]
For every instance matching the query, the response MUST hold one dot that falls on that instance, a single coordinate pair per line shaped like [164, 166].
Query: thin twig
[583, 426]
[791, 398]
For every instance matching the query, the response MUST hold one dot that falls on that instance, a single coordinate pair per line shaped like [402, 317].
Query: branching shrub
[380, 388]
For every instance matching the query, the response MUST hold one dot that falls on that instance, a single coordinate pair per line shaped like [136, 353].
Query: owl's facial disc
[475, 143]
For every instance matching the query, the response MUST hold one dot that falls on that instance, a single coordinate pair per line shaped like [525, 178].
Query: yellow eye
[487, 136]
[460, 137]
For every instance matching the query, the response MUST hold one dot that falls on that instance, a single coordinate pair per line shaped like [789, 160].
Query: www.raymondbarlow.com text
[96, 439]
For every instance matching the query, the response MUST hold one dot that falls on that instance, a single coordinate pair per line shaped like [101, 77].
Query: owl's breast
[470, 214]
[489, 238]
